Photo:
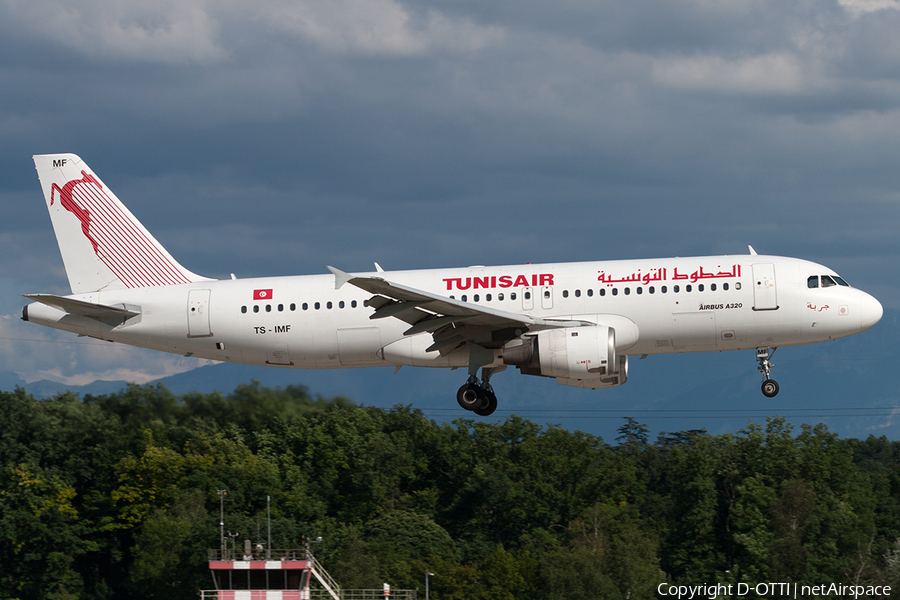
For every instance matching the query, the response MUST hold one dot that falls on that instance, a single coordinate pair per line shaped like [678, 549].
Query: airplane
[575, 322]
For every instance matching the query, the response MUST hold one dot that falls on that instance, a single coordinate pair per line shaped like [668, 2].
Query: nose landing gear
[769, 386]
[478, 398]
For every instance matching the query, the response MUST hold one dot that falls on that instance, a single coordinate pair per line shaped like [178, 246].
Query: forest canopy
[115, 496]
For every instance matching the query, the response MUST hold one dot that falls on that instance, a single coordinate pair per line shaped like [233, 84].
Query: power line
[680, 410]
[652, 414]
[52, 341]
[658, 417]
[668, 358]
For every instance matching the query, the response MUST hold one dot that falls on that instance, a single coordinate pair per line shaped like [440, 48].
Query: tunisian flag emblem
[262, 294]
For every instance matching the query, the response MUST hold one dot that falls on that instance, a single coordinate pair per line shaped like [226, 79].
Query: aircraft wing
[451, 322]
[111, 315]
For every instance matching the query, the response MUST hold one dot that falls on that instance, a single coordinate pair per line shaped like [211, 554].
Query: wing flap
[449, 343]
[432, 324]
[393, 309]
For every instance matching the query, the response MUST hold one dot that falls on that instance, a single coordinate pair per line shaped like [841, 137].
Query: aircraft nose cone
[870, 311]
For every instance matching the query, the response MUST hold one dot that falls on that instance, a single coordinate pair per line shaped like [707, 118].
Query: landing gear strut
[478, 397]
[769, 386]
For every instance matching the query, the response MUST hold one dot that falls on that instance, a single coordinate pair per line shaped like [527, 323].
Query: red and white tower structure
[259, 574]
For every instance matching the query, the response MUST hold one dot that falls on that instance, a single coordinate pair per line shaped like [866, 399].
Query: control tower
[259, 574]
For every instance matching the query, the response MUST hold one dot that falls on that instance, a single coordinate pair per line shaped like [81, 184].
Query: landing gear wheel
[769, 386]
[471, 397]
[489, 406]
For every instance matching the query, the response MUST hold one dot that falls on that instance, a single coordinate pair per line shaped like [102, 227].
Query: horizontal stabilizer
[111, 315]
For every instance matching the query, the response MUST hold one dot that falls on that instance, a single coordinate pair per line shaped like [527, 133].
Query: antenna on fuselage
[752, 251]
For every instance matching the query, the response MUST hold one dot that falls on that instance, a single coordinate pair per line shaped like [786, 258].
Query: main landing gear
[769, 386]
[479, 398]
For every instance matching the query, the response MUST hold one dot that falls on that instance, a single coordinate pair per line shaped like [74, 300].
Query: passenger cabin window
[812, 281]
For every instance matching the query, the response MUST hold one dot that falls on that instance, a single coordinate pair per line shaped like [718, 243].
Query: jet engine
[576, 356]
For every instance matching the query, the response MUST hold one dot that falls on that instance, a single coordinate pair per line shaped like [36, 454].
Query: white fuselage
[656, 306]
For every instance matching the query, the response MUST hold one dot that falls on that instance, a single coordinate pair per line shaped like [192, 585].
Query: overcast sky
[275, 137]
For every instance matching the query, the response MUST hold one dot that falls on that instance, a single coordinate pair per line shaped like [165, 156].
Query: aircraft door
[546, 297]
[527, 298]
[764, 292]
[198, 313]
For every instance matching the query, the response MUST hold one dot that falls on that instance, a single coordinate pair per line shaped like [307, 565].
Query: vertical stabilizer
[102, 244]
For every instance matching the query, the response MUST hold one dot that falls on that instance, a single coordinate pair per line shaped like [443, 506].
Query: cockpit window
[812, 281]
[827, 281]
[840, 281]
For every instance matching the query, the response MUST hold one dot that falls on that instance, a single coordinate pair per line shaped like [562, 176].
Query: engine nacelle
[577, 352]
[577, 356]
[618, 377]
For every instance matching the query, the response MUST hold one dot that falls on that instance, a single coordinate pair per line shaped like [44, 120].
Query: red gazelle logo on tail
[120, 243]
[66, 201]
